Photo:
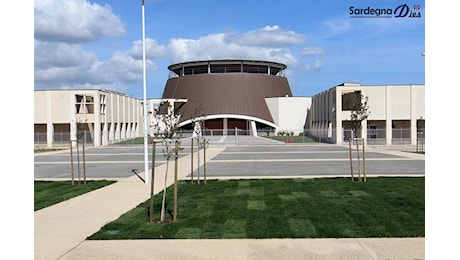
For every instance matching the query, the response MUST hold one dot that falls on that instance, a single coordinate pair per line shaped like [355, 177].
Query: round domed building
[232, 95]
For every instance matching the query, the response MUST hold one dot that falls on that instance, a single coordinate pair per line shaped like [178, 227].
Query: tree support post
[71, 161]
[152, 182]
[204, 159]
[176, 150]
[191, 162]
[84, 164]
[351, 160]
[364, 162]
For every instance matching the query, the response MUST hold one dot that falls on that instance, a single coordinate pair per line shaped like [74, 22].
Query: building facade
[397, 113]
[98, 117]
[234, 96]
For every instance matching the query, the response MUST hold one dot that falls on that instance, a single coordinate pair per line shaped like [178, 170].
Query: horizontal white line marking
[316, 160]
[110, 154]
[248, 160]
[100, 162]
[284, 152]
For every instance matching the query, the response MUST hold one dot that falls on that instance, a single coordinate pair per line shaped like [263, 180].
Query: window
[349, 99]
[84, 104]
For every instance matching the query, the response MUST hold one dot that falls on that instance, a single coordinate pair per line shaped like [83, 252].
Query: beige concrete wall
[418, 100]
[54, 107]
[40, 107]
[377, 98]
[400, 102]
[386, 102]
[289, 113]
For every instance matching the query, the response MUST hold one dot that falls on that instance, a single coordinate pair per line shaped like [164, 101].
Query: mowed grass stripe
[283, 208]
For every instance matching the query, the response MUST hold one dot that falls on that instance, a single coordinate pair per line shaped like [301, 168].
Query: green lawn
[284, 208]
[292, 139]
[47, 193]
[43, 150]
[137, 140]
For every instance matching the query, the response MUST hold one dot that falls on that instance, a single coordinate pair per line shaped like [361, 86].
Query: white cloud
[337, 27]
[123, 68]
[317, 66]
[152, 49]
[312, 51]
[219, 46]
[58, 64]
[61, 55]
[268, 36]
[76, 68]
[74, 21]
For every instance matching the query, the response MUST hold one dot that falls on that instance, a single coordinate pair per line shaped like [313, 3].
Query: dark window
[349, 99]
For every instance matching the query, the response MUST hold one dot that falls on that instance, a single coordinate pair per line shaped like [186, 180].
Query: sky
[81, 44]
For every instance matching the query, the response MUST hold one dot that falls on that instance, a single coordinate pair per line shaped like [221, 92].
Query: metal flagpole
[146, 155]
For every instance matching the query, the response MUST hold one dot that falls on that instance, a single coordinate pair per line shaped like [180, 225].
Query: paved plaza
[60, 231]
[273, 159]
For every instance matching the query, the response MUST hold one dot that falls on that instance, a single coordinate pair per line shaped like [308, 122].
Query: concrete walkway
[212, 249]
[61, 230]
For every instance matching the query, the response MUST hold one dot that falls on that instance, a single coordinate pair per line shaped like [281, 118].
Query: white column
[97, 120]
[105, 137]
[123, 131]
[73, 119]
[338, 118]
[123, 114]
[413, 120]
[253, 127]
[117, 119]
[111, 132]
[388, 119]
[49, 121]
[117, 131]
[49, 134]
[225, 126]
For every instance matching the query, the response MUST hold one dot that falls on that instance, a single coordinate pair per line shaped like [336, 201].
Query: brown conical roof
[227, 93]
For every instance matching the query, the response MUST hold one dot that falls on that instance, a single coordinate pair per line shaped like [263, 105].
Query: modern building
[231, 97]
[236, 96]
[99, 117]
[397, 113]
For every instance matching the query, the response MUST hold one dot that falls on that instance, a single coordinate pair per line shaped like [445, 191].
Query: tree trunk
[357, 153]
[163, 204]
[198, 155]
[152, 184]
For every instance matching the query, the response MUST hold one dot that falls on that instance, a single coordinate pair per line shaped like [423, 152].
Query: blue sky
[98, 44]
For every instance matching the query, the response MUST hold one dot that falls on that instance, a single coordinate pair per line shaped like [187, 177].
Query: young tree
[165, 127]
[198, 117]
[359, 113]
[81, 138]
